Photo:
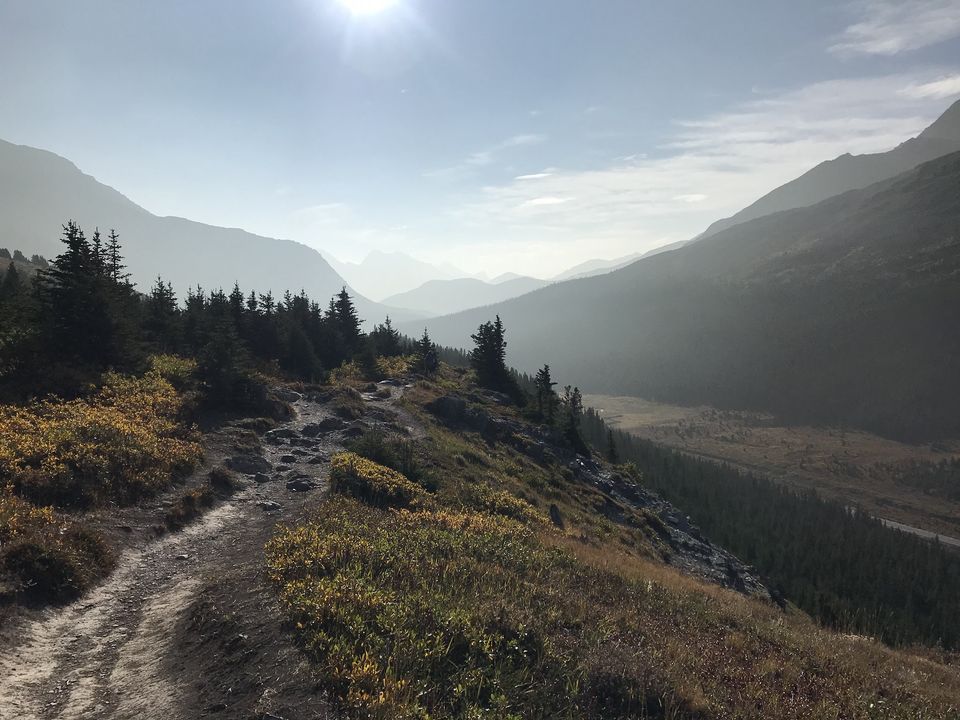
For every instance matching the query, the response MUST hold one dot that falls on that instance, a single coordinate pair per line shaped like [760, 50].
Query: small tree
[343, 315]
[427, 357]
[546, 397]
[612, 454]
[386, 339]
[573, 414]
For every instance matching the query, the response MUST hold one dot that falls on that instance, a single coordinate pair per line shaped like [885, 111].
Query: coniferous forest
[843, 567]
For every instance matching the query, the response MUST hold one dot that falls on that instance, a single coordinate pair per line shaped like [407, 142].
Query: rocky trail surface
[186, 627]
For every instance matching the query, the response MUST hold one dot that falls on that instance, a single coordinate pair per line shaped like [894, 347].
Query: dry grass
[476, 608]
[852, 467]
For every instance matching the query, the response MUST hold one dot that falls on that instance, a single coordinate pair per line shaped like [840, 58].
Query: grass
[378, 485]
[468, 604]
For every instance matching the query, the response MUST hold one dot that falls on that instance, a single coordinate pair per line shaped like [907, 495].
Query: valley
[850, 466]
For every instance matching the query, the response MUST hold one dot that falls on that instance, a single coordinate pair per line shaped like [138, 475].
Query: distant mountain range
[841, 312]
[40, 191]
[382, 274]
[441, 297]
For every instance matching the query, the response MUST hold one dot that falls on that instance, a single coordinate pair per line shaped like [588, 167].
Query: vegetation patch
[44, 555]
[372, 483]
[123, 442]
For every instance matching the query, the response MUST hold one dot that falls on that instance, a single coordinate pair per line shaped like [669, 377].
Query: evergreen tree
[425, 352]
[162, 317]
[11, 285]
[573, 414]
[5, 254]
[386, 339]
[489, 360]
[113, 260]
[343, 315]
[546, 397]
[611, 453]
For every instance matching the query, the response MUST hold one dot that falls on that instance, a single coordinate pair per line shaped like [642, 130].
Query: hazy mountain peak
[853, 172]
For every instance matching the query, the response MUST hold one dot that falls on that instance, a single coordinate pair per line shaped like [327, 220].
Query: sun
[367, 7]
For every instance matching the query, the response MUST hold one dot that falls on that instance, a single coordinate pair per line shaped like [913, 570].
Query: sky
[495, 135]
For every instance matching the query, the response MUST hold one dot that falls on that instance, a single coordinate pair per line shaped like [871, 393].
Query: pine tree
[573, 415]
[344, 316]
[427, 357]
[612, 454]
[113, 260]
[11, 285]
[386, 339]
[546, 398]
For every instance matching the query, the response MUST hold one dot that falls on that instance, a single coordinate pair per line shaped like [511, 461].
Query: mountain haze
[844, 312]
[852, 172]
[40, 191]
[442, 297]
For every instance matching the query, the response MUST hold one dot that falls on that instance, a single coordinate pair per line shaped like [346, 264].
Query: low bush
[372, 483]
[189, 507]
[123, 442]
[395, 453]
[45, 556]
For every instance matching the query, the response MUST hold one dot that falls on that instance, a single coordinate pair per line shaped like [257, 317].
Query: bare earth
[185, 627]
[845, 465]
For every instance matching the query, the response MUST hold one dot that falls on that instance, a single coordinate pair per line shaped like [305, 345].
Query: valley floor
[850, 466]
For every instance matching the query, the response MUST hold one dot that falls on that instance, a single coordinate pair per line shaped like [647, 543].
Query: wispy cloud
[889, 27]
[945, 87]
[708, 168]
[487, 156]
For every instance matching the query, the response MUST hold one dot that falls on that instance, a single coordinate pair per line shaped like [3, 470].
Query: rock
[325, 425]
[303, 442]
[287, 395]
[288, 459]
[555, 517]
[283, 468]
[249, 464]
[262, 478]
[276, 437]
[301, 484]
[449, 408]
[300, 453]
[317, 460]
[354, 431]
[268, 505]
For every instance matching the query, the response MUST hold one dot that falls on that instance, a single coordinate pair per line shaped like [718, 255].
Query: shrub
[45, 556]
[188, 507]
[371, 482]
[123, 442]
[395, 453]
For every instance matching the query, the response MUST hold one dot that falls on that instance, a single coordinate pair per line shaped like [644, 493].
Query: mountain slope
[845, 312]
[441, 297]
[39, 191]
[852, 172]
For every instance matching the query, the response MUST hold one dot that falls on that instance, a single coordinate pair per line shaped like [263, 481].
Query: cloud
[534, 176]
[708, 168]
[889, 27]
[542, 201]
[485, 157]
[945, 87]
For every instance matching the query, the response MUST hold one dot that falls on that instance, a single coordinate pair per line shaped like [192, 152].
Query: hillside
[442, 297]
[853, 172]
[838, 313]
[382, 274]
[39, 191]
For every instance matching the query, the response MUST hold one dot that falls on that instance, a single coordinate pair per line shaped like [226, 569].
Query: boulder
[287, 395]
[449, 408]
[288, 459]
[262, 478]
[301, 484]
[249, 464]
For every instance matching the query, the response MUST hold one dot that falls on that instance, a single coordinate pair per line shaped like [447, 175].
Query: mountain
[843, 313]
[40, 191]
[441, 297]
[382, 274]
[852, 172]
[596, 267]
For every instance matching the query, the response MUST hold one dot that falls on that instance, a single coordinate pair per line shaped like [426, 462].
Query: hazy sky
[522, 135]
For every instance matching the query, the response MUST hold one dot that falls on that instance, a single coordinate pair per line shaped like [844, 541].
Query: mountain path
[109, 654]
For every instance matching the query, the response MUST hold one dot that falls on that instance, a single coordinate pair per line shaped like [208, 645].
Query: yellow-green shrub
[45, 555]
[374, 484]
[124, 441]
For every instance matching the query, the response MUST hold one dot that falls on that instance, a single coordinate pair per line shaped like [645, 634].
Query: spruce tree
[546, 398]
[427, 357]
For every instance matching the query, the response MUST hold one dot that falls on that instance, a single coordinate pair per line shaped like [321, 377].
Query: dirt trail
[109, 655]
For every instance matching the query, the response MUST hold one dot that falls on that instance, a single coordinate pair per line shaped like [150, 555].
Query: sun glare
[367, 7]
